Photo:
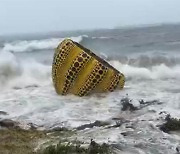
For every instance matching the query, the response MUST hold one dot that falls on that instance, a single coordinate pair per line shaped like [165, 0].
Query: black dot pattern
[60, 55]
[75, 68]
[95, 77]
[114, 83]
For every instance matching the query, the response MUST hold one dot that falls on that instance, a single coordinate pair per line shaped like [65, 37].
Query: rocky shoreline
[15, 139]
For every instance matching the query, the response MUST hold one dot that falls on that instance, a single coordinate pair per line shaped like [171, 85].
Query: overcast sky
[29, 16]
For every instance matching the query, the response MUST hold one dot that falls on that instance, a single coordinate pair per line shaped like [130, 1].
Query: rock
[178, 149]
[118, 124]
[124, 133]
[127, 133]
[3, 113]
[148, 103]
[172, 124]
[59, 129]
[91, 125]
[127, 105]
[9, 123]
[32, 126]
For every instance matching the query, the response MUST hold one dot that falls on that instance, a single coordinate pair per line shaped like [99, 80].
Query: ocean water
[148, 56]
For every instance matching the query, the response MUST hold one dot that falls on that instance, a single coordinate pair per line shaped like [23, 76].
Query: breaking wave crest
[148, 60]
[34, 45]
[161, 71]
[20, 74]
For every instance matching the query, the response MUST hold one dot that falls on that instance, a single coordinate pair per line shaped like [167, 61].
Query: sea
[148, 56]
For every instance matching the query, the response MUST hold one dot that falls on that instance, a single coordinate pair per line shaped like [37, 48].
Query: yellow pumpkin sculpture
[79, 71]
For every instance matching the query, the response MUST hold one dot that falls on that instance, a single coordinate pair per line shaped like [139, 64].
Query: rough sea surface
[148, 56]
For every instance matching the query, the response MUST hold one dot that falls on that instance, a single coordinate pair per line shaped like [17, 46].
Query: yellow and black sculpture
[79, 71]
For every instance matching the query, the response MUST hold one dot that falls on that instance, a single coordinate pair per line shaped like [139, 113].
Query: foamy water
[28, 96]
[31, 45]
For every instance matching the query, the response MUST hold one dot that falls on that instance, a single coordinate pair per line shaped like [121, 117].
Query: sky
[31, 16]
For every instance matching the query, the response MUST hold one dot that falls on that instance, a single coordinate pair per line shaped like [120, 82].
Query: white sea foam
[42, 106]
[28, 96]
[19, 74]
[22, 73]
[26, 46]
[9, 67]
[26, 75]
[155, 72]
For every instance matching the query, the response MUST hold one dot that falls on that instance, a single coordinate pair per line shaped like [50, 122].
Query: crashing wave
[19, 74]
[34, 45]
[15, 73]
[161, 71]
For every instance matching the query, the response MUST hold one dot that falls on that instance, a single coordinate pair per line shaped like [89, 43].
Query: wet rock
[59, 129]
[91, 125]
[124, 133]
[148, 103]
[3, 113]
[32, 126]
[7, 123]
[162, 112]
[171, 124]
[127, 133]
[178, 150]
[127, 105]
[119, 118]
[118, 124]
